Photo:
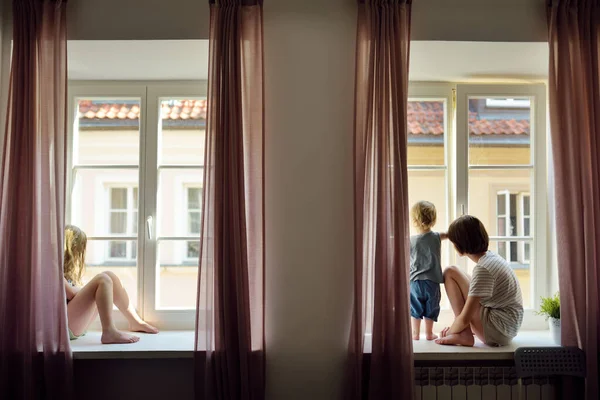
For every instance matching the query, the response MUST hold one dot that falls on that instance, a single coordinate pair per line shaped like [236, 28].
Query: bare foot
[142, 326]
[113, 336]
[431, 336]
[461, 339]
[416, 336]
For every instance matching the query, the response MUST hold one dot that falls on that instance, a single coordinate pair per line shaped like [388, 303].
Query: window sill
[180, 344]
[426, 350]
[167, 344]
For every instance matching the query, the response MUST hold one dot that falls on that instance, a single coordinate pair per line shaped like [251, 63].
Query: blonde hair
[74, 259]
[423, 215]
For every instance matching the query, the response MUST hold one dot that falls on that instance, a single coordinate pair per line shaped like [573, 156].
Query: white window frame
[457, 142]
[131, 222]
[150, 93]
[540, 273]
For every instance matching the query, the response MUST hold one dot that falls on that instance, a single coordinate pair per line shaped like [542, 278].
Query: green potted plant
[550, 308]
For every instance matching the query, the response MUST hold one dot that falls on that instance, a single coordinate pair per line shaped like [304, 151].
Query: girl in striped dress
[489, 304]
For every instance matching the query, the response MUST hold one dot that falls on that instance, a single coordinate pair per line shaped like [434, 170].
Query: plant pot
[554, 329]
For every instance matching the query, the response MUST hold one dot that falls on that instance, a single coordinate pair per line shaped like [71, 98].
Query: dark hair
[468, 235]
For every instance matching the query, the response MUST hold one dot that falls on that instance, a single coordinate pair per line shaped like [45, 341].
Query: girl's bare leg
[457, 283]
[96, 296]
[121, 299]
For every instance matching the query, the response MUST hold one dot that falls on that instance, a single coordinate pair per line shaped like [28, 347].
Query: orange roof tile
[427, 118]
[424, 117]
[171, 110]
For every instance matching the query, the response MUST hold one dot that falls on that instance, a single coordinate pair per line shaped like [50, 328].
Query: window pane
[499, 131]
[501, 206]
[135, 198]
[502, 249]
[483, 188]
[526, 227]
[431, 186]
[182, 127]
[513, 205]
[118, 198]
[426, 125]
[178, 275]
[193, 249]
[527, 252]
[118, 223]
[514, 253]
[526, 206]
[117, 249]
[134, 223]
[101, 124]
[194, 222]
[193, 198]
[501, 231]
[97, 260]
[173, 216]
[520, 266]
[92, 198]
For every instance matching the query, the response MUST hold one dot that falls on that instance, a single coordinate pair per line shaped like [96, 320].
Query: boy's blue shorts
[425, 296]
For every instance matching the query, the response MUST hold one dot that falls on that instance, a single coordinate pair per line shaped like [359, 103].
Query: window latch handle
[149, 229]
[462, 209]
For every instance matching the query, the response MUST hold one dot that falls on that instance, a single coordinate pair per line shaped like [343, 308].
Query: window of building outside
[194, 213]
[513, 212]
[136, 169]
[122, 217]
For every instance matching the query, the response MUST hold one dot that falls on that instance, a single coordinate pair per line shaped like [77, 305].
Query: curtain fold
[574, 87]
[230, 340]
[35, 357]
[381, 223]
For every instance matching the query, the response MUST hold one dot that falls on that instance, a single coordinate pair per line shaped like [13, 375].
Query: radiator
[480, 383]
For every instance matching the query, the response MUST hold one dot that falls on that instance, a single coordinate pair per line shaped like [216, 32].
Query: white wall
[137, 19]
[309, 65]
[480, 20]
[461, 20]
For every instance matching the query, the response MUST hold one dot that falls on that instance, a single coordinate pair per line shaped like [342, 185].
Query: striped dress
[496, 284]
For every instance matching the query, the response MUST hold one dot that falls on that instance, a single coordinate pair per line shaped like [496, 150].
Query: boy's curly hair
[423, 215]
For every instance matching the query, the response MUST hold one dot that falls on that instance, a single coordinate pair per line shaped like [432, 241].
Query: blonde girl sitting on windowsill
[96, 297]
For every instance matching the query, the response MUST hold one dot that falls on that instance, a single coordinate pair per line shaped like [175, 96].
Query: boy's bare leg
[429, 335]
[416, 328]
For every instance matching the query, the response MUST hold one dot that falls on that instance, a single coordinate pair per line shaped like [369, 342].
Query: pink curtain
[35, 357]
[381, 224]
[230, 340]
[574, 80]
